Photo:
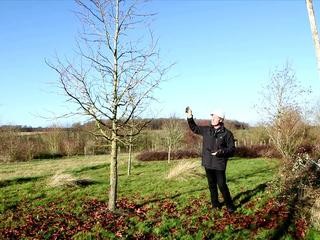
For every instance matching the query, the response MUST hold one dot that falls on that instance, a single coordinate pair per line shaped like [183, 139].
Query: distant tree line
[21, 143]
[24, 143]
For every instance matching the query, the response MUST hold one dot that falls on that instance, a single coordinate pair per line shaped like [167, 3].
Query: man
[217, 147]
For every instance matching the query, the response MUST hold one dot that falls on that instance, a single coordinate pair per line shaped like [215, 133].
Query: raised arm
[192, 125]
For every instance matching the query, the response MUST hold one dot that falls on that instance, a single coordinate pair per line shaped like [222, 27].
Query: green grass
[42, 168]
[25, 187]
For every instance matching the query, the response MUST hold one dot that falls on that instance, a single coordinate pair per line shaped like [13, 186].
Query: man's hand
[188, 112]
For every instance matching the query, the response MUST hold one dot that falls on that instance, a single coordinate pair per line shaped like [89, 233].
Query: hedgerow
[163, 155]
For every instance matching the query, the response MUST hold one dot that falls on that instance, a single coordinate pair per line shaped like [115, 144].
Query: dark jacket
[214, 140]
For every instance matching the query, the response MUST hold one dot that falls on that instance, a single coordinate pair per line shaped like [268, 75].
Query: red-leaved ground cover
[56, 222]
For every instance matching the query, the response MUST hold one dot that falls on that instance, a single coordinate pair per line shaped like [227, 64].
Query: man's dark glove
[218, 153]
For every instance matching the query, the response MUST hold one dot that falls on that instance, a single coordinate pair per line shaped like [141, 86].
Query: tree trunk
[114, 144]
[130, 156]
[169, 153]
[113, 174]
[314, 31]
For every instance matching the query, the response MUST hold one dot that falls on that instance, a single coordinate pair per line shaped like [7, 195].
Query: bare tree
[116, 71]
[314, 31]
[282, 107]
[287, 131]
[174, 133]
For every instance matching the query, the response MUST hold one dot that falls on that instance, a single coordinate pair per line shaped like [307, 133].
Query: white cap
[218, 112]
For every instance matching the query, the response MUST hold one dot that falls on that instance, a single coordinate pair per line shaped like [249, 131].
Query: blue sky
[223, 50]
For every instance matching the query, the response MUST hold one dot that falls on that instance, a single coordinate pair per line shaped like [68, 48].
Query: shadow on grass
[85, 182]
[284, 227]
[169, 197]
[247, 195]
[20, 180]
[89, 168]
[252, 174]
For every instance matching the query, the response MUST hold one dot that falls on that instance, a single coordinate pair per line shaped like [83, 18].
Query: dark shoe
[216, 206]
[231, 209]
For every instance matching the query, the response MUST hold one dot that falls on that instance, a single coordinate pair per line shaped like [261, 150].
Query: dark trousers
[217, 178]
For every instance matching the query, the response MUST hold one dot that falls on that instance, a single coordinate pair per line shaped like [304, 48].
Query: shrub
[163, 155]
[305, 148]
[181, 154]
[152, 155]
[257, 151]
[16, 147]
[71, 147]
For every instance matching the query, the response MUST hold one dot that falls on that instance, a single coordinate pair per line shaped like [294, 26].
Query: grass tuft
[67, 180]
[184, 170]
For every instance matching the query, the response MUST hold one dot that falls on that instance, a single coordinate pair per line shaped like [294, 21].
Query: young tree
[314, 31]
[116, 71]
[53, 139]
[174, 133]
[282, 107]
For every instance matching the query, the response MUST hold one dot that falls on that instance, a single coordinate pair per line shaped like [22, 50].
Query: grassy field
[150, 206]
